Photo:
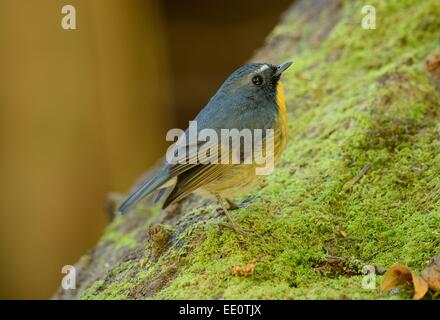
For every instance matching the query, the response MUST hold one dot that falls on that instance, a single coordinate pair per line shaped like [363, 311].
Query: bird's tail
[142, 191]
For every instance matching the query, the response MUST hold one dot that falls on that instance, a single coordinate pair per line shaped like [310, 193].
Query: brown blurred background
[84, 112]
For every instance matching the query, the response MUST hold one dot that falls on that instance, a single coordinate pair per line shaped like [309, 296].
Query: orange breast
[281, 131]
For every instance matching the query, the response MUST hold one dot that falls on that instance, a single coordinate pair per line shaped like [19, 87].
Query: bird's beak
[282, 67]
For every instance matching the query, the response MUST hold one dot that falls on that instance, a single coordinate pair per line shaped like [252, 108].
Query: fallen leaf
[432, 273]
[395, 276]
[143, 262]
[246, 270]
[420, 286]
[399, 274]
[343, 233]
[433, 62]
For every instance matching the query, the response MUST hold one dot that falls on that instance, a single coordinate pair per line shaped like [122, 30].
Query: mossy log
[358, 184]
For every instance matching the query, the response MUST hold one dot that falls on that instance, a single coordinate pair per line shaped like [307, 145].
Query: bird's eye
[257, 80]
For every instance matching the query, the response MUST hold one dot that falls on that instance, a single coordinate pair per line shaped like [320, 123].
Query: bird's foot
[232, 225]
[235, 227]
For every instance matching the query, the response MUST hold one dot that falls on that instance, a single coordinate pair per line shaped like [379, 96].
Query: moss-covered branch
[355, 98]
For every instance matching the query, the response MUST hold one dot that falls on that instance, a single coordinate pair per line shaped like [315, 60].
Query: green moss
[117, 290]
[117, 284]
[352, 102]
[120, 240]
[92, 290]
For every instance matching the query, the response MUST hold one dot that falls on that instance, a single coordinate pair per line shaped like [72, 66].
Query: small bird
[252, 97]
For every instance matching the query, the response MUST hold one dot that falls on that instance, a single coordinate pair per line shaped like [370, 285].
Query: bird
[251, 98]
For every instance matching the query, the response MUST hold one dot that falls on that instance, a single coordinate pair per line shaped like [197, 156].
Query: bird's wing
[185, 161]
[195, 178]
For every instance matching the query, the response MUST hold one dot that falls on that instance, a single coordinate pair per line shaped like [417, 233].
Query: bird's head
[255, 81]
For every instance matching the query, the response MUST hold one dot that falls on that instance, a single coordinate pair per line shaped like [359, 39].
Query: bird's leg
[233, 225]
[232, 205]
[244, 203]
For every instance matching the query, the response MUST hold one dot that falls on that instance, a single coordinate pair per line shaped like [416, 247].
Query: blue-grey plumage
[251, 98]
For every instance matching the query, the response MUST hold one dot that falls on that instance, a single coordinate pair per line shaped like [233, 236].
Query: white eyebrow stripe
[262, 68]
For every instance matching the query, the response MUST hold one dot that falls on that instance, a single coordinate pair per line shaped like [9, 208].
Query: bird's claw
[238, 229]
